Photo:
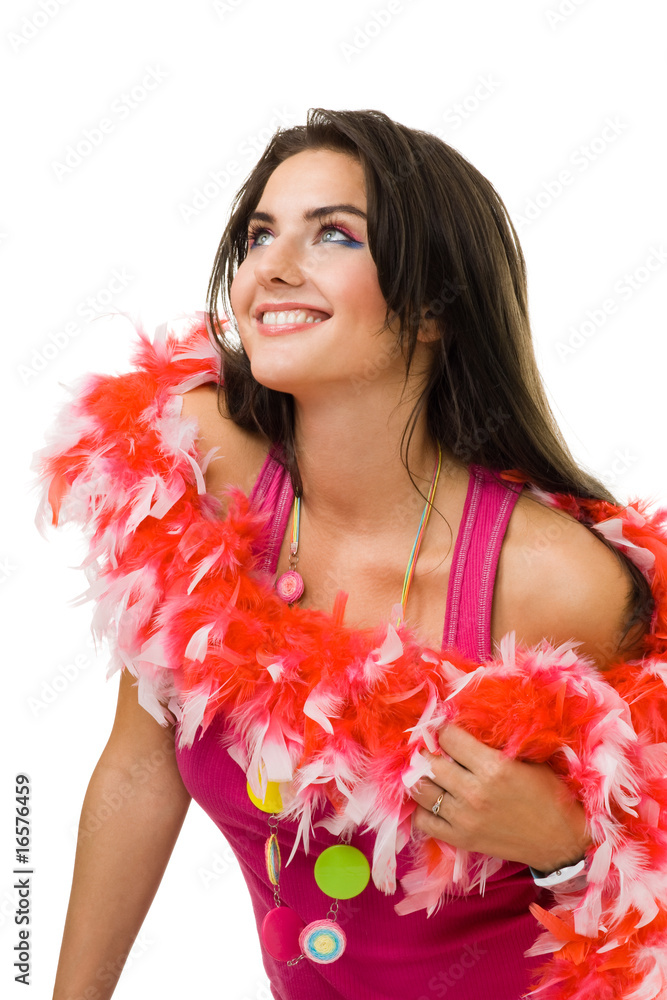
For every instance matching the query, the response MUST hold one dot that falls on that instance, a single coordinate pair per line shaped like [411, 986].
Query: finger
[425, 792]
[448, 774]
[433, 826]
[431, 797]
[437, 805]
[465, 749]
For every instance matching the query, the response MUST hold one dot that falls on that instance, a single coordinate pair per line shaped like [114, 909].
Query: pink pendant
[281, 928]
[289, 586]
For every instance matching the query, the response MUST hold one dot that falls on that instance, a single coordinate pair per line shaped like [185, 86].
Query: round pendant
[322, 941]
[342, 871]
[290, 586]
[280, 932]
[272, 859]
[272, 802]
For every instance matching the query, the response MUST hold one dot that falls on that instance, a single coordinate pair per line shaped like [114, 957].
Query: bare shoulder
[557, 580]
[240, 453]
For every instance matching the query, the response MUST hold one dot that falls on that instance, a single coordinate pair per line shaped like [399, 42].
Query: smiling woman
[407, 652]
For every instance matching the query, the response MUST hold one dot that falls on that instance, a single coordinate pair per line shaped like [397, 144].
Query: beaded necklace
[341, 871]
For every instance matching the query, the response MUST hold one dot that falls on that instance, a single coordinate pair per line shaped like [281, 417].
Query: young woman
[384, 414]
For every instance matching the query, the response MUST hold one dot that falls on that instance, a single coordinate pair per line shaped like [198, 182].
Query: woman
[380, 299]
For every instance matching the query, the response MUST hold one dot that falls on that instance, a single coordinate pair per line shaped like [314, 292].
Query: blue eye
[257, 233]
[336, 229]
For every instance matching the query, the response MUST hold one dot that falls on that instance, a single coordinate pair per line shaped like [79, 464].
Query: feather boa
[340, 715]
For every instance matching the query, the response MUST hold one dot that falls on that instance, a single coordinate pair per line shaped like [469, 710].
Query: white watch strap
[555, 878]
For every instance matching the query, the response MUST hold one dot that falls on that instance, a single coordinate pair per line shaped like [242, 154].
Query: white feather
[384, 854]
[194, 707]
[146, 696]
[392, 647]
[204, 566]
[423, 729]
[419, 767]
[612, 529]
[194, 465]
[303, 831]
[320, 704]
[275, 754]
[197, 647]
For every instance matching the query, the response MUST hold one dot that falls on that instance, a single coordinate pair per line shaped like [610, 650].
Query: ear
[428, 328]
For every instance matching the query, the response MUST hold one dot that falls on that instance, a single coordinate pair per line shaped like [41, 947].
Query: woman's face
[304, 253]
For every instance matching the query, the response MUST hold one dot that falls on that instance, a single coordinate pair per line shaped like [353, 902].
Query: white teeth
[294, 316]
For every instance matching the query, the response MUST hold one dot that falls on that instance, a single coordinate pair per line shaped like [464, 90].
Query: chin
[281, 378]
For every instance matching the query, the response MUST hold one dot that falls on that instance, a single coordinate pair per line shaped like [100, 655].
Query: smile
[291, 317]
[288, 321]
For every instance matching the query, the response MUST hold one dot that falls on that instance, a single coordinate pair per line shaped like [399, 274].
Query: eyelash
[255, 228]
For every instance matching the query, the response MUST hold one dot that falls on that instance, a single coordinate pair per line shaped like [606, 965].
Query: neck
[349, 455]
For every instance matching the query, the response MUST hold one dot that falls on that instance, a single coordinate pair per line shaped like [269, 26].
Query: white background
[522, 90]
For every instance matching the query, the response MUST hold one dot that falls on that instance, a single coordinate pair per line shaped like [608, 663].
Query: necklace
[341, 871]
[290, 585]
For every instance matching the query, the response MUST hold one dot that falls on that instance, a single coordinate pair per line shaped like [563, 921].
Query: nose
[279, 262]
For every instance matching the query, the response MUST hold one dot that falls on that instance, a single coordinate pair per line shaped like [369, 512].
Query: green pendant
[342, 871]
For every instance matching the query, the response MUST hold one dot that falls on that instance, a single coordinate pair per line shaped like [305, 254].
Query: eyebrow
[312, 213]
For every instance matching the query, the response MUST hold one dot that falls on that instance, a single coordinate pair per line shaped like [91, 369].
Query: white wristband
[555, 878]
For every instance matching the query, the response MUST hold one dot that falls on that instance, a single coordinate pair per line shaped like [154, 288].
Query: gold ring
[435, 809]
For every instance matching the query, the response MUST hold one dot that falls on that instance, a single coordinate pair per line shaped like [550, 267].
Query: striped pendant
[272, 859]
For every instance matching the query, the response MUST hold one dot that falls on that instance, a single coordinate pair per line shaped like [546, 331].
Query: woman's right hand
[132, 814]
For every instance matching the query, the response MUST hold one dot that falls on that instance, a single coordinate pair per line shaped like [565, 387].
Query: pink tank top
[474, 946]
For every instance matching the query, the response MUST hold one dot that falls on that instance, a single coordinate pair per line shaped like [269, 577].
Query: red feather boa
[339, 714]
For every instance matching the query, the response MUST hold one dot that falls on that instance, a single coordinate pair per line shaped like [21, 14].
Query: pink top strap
[273, 494]
[488, 506]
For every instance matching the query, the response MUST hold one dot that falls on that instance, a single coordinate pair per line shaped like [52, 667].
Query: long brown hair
[445, 250]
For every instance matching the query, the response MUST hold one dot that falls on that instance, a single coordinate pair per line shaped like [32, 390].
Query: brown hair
[446, 250]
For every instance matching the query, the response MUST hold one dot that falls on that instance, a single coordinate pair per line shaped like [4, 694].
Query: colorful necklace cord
[426, 513]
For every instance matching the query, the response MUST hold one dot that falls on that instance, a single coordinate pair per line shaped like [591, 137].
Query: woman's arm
[556, 580]
[132, 814]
